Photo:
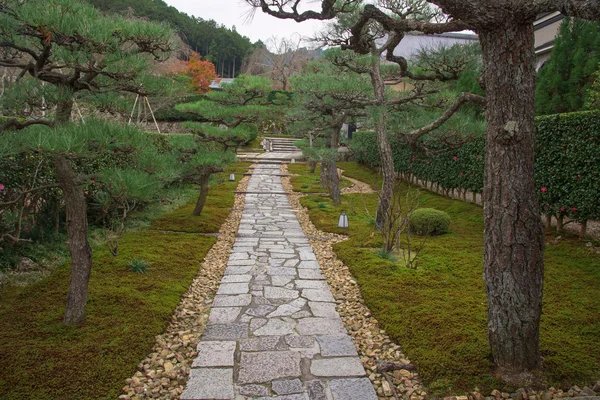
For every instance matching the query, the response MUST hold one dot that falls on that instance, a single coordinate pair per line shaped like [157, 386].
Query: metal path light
[232, 177]
[343, 221]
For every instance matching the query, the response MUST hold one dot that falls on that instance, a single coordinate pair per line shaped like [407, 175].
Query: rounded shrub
[429, 221]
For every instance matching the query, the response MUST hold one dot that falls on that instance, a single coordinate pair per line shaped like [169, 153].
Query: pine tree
[74, 49]
[563, 83]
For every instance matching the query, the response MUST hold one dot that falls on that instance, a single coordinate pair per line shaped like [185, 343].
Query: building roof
[217, 83]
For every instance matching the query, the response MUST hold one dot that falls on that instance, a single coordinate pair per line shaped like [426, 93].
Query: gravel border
[164, 372]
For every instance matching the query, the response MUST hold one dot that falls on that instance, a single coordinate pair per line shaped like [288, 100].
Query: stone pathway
[273, 331]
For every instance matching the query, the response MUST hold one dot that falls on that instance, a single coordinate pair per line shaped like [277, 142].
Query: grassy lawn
[438, 312]
[43, 359]
[307, 182]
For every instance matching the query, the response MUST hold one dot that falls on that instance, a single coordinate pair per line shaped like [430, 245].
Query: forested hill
[224, 47]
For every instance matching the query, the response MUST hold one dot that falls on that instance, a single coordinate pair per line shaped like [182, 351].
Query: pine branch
[16, 125]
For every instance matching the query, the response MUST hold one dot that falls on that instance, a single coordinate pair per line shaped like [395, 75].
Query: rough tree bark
[331, 165]
[513, 246]
[64, 109]
[79, 248]
[313, 166]
[383, 144]
[323, 177]
[203, 180]
[77, 230]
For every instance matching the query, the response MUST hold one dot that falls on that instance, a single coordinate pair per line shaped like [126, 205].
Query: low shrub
[139, 266]
[429, 221]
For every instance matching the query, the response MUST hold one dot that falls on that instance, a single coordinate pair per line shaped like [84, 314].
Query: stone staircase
[280, 145]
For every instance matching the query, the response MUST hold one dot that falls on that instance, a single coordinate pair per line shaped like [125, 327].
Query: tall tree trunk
[323, 177]
[63, 111]
[383, 144]
[81, 252]
[76, 218]
[514, 246]
[334, 183]
[331, 165]
[204, 178]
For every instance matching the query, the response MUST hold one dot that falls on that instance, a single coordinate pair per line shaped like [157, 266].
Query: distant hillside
[224, 47]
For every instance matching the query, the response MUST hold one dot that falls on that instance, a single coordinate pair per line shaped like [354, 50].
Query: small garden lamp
[343, 221]
[232, 177]
[293, 161]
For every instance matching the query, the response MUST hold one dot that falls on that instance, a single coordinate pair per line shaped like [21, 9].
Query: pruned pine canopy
[72, 46]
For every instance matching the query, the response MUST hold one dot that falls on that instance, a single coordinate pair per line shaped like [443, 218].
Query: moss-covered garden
[437, 312]
[44, 359]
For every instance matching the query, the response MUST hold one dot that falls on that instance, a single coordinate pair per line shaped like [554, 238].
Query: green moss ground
[217, 207]
[438, 312]
[306, 182]
[40, 358]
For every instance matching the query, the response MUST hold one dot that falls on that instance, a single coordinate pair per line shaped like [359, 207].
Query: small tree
[75, 49]
[118, 191]
[200, 160]
[326, 97]
[202, 73]
[279, 60]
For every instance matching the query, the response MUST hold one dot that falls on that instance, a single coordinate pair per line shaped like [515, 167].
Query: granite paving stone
[215, 354]
[233, 288]
[336, 346]
[209, 383]
[223, 315]
[273, 320]
[274, 327]
[289, 386]
[323, 294]
[267, 366]
[343, 366]
[316, 390]
[352, 389]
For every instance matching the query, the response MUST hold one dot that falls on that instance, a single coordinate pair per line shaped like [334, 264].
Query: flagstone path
[273, 330]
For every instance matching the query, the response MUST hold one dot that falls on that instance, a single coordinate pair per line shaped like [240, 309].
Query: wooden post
[583, 231]
[133, 109]
[560, 224]
[152, 113]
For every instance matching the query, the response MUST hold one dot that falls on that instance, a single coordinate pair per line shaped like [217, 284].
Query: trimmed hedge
[429, 221]
[567, 163]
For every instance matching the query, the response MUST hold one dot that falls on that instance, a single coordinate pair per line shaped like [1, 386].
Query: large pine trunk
[333, 179]
[389, 174]
[383, 144]
[514, 246]
[79, 248]
[323, 178]
[64, 108]
[334, 183]
[204, 179]
[76, 213]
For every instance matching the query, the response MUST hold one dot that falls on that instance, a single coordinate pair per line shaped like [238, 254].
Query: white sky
[234, 12]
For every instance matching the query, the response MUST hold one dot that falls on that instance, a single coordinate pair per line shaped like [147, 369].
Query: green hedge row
[567, 163]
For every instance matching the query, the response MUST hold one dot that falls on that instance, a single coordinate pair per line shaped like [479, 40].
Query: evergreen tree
[234, 115]
[564, 82]
[72, 48]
